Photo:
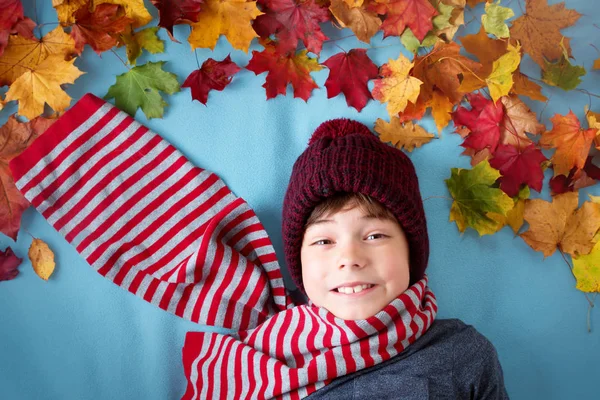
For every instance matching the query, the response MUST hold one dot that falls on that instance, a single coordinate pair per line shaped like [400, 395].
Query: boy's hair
[344, 156]
[340, 201]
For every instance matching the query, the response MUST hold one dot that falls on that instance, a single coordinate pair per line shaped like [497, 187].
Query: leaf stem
[438, 197]
[124, 63]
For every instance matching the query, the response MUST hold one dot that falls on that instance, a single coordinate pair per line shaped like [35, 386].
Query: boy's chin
[356, 313]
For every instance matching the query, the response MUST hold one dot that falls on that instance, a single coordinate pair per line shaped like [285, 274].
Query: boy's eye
[376, 236]
[322, 242]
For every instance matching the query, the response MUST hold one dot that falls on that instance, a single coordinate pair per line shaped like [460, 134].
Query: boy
[173, 234]
[355, 238]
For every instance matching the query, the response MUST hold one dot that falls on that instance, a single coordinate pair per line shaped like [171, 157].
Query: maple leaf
[577, 179]
[562, 74]
[514, 217]
[518, 167]
[416, 14]
[525, 87]
[98, 29]
[441, 109]
[212, 75]
[349, 74]
[134, 9]
[284, 69]
[561, 225]
[22, 54]
[9, 264]
[66, 9]
[443, 69]
[402, 135]
[572, 143]
[296, 20]
[140, 87]
[538, 29]
[42, 258]
[482, 120]
[445, 24]
[14, 138]
[146, 38]
[362, 22]
[493, 21]
[231, 18]
[173, 12]
[12, 21]
[475, 199]
[42, 84]
[586, 269]
[518, 119]
[473, 3]
[396, 87]
[500, 80]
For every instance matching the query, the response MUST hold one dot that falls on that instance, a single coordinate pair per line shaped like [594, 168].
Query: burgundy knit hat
[345, 156]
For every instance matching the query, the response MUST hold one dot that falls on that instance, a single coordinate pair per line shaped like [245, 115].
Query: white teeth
[354, 289]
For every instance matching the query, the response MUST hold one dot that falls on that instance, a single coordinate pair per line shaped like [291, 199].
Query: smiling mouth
[354, 291]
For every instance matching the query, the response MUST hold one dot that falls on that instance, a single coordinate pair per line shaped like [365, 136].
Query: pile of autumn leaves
[480, 96]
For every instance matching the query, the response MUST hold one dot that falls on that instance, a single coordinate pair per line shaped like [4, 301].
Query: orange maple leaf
[572, 143]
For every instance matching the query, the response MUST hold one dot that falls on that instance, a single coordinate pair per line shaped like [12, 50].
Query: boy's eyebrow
[325, 221]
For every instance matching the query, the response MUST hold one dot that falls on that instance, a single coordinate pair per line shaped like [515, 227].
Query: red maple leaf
[100, 28]
[416, 14]
[9, 264]
[173, 12]
[577, 178]
[284, 69]
[293, 20]
[518, 167]
[13, 21]
[483, 120]
[349, 74]
[213, 75]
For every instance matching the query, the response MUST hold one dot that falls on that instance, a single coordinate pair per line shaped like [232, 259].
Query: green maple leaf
[476, 203]
[562, 74]
[139, 88]
[494, 17]
[144, 39]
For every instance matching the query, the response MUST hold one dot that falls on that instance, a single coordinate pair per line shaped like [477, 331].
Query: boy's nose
[351, 256]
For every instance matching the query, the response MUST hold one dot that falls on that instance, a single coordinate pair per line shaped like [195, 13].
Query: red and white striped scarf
[146, 218]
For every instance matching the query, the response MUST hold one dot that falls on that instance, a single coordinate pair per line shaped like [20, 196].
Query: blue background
[80, 336]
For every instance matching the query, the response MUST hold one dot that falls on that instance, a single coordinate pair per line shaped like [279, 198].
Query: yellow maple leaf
[231, 18]
[41, 85]
[22, 54]
[500, 80]
[596, 64]
[42, 258]
[362, 22]
[402, 135]
[441, 107]
[561, 225]
[134, 9]
[586, 268]
[396, 87]
[66, 10]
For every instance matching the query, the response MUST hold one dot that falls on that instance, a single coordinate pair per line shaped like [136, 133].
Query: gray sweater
[450, 361]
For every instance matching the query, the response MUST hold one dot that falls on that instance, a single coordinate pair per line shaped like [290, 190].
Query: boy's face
[350, 246]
